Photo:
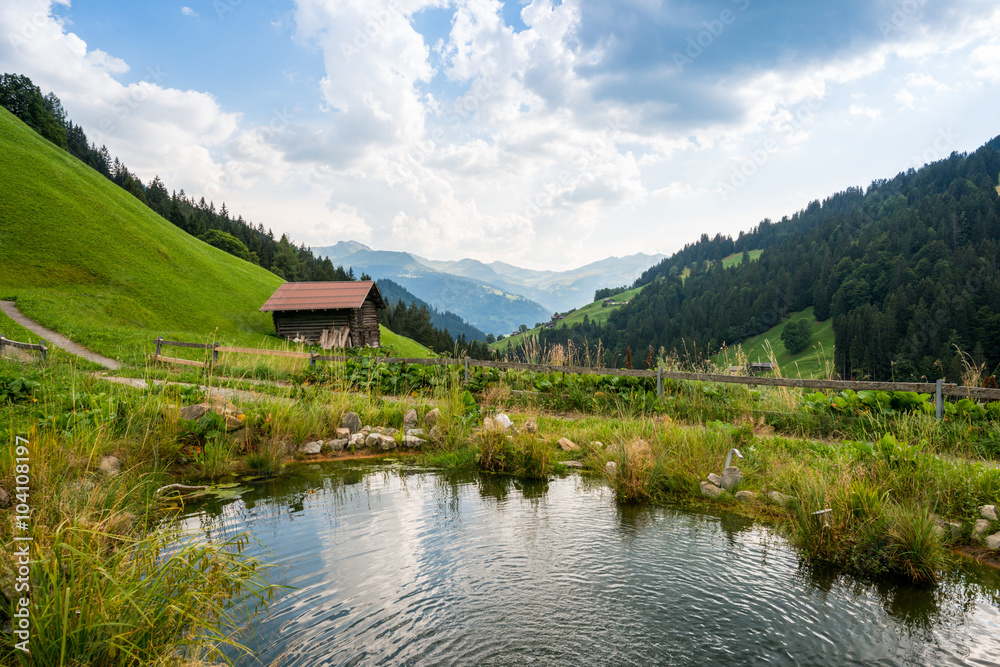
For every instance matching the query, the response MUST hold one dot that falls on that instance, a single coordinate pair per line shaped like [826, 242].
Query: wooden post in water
[939, 400]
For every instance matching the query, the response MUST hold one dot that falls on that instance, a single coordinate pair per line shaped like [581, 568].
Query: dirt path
[57, 340]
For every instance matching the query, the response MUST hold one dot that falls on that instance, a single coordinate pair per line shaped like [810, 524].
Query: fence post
[659, 381]
[43, 349]
[466, 370]
[312, 358]
[159, 347]
[3, 343]
[939, 399]
[215, 353]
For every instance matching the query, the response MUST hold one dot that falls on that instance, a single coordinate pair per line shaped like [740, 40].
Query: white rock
[715, 479]
[416, 432]
[746, 496]
[413, 441]
[989, 512]
[432, 417]
[314, 447]
[357, 440]
[710, 490]
[380, 441]
[573, 464]
[568, 445]
[731, 477]
[781, 498]
[993, 542]
[410, 420]
[111, 465]
[611, 467]
[502, 421]
[338, 444]
[435, 433]
[980, 529]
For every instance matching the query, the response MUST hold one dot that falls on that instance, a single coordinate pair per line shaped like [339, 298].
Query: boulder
[567, 445]
[573, 464]
[710, 490]
[234, 422]
[531, 426]
[993, 542]
[502, 422]
[111, 465]
[413, 441]
[4, 499]
[409, 420]
[980, 529]
[611, 467]
[416, 432]
[714, 479]
[746, 496]
[989, 512]
[380, 441]
[338, 444]
[731, 478]
[597, 444]
[195, 412]
[436, 434]
[343, 433]
[432, 417]
[357, 440]
[781, 498]
[314, 447]
[351, 422]
[947, 530]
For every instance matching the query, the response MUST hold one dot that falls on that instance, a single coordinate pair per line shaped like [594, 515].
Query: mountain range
[495, 297]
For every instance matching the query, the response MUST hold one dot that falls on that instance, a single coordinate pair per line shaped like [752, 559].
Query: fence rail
[41, 347]
[939, 389]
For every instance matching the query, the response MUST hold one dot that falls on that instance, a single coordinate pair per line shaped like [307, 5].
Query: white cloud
[187, 11]
[987, 58]
[856, 110]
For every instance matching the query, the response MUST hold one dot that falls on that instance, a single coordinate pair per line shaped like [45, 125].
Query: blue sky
[541, 133]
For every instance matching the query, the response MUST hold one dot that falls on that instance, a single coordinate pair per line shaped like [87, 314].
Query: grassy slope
[729, 261]
[88, 260]
[595, 311]
[806, 364]
[400, 346]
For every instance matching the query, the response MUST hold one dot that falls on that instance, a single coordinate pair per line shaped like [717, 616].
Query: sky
[540, 133]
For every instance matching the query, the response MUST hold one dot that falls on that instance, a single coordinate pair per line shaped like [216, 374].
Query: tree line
[909, 270]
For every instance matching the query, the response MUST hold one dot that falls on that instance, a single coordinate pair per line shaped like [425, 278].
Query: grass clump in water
[521, 455]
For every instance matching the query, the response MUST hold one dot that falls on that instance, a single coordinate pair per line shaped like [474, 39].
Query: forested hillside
[907, 269]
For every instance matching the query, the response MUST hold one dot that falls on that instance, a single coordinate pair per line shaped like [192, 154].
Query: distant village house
[330, 314]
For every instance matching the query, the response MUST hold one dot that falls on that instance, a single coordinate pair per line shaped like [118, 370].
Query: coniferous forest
[907, 269]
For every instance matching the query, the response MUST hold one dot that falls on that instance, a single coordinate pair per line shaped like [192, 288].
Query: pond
[401, 566]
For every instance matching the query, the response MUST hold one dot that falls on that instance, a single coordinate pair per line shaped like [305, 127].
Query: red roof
[322, 296]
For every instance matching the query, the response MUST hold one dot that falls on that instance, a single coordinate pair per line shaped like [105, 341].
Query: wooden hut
[347, 311]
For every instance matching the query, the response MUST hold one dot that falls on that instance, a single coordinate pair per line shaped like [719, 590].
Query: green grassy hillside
[86, 259]
[809, 363]
[595, 311]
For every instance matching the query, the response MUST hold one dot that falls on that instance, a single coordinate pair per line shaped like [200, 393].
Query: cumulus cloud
[187, 11]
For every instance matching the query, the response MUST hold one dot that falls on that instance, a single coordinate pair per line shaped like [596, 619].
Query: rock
[357, 440]
[989, 512]
[233, 422]
[416, 432]
[746, 496]
[366, 430]
[242, 436]
[597, 444]
[731, 478]
[710, 490]
[314, 447]
[947, 529]
[195, 412]
[781, 498]
[980, 529]
[413, 441]
[502, 422]
[380, 441]
[531, 426]
[338, 444]
[993, 542]
[343, 433]
[568, 445]
[4, 499]
[714, 479]
[436, 434]
[409, 420]
[432, 417]
[573, 464]
[351, 422]
[111, 465]
[611, 467]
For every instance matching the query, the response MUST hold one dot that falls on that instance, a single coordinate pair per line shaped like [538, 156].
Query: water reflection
[400, 566]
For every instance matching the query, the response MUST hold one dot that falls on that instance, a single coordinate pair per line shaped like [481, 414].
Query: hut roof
[323, 295]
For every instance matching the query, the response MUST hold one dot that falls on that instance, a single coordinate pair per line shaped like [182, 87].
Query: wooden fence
[939, 389]
[41, 348]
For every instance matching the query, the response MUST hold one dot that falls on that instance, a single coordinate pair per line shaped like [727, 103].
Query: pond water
[399, 566]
